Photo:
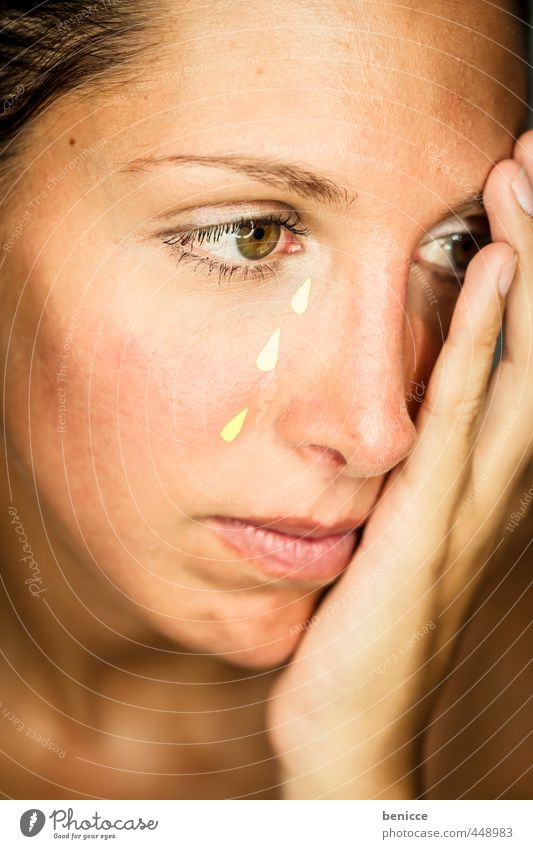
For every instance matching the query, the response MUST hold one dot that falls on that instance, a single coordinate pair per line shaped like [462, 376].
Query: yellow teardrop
[300, 299]
[234, 426]
[268, 357]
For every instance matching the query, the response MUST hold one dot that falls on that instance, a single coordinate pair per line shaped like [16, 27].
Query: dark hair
[50, 47]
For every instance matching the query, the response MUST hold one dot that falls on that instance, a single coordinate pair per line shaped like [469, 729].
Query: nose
[346, 405]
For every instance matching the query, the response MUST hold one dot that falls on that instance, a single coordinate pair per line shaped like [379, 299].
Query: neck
[58, 611]
[63, 622]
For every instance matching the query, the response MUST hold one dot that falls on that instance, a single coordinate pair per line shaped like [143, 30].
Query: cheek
[160, 393]
[120, 421]
[181, 385]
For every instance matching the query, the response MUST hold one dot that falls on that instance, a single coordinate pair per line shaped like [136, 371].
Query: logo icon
[31, 822]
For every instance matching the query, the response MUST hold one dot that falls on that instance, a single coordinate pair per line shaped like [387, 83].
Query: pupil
[465, 247]
[257, 242]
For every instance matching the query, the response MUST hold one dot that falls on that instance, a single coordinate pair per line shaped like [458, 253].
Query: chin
[261, 656]
[267, 638]
[258, 633]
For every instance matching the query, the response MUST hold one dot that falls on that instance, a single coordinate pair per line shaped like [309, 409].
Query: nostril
[336, 458]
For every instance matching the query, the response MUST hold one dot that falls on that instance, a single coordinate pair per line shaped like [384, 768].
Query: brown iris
[257, 242]
[462, 248]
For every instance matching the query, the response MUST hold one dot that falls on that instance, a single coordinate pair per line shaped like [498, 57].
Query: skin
[141, 601]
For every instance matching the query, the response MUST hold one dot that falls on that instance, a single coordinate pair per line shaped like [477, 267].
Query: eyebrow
[281, 175]
[284, 175]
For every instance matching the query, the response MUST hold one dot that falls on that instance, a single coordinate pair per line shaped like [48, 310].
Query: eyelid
[198, 237]
[212, 215]
[177, 239]
[454, 224]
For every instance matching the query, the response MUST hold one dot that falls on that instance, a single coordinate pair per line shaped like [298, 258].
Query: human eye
[237, 249]
[448, 253]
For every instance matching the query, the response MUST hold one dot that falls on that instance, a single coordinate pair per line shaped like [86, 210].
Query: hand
[345, 717]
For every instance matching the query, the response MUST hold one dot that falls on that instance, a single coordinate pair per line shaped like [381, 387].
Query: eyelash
[477, 231]
[226, 271]
[184, 242]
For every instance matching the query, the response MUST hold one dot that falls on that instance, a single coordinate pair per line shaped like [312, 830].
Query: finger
[510, 223]
[457, 390]
[505, 437]
[523, 150]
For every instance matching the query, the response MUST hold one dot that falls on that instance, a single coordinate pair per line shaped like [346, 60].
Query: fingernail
[506, 276]
[523, 191]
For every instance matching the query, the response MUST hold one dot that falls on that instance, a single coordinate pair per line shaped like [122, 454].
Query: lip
[289, 548]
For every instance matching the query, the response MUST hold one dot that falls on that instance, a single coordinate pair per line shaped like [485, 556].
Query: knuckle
[456, 406]
[486, 341]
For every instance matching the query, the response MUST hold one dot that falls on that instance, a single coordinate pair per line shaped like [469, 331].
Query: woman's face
[152, 312]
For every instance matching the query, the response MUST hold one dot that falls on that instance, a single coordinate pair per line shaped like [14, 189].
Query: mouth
[293, 549]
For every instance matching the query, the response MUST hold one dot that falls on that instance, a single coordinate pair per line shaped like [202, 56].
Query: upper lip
[299, 527]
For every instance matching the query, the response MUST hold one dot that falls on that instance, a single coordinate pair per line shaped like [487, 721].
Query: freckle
[72, 142]
[268, 357]
[300, 299]
[258, 71]
[234, 426]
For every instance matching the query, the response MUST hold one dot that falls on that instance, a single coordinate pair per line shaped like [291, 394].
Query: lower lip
[280, 555]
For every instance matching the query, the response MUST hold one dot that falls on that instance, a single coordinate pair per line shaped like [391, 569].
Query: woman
[259, 455]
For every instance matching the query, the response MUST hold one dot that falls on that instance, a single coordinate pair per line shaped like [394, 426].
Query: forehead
[365, 61]
[365, 92]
